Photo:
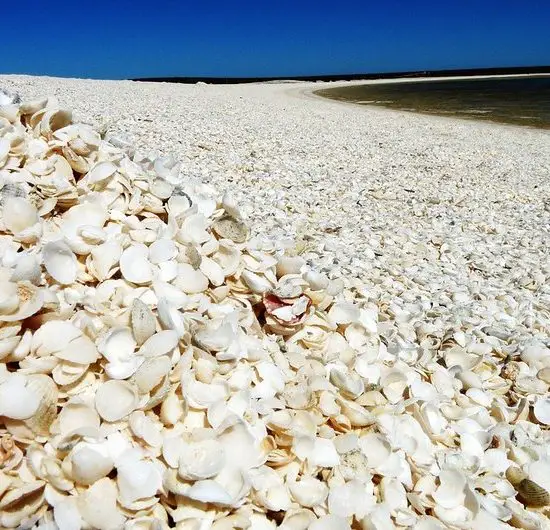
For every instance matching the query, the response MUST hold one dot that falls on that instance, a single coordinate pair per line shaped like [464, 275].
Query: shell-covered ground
[353, 331]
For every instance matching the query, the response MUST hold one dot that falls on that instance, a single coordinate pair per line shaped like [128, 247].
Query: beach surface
[354, 180]
[430, 386]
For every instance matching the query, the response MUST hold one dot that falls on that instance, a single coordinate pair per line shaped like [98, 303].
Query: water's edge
[524, 102]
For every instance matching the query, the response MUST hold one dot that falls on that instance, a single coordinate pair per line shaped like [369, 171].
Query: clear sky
[122, 39]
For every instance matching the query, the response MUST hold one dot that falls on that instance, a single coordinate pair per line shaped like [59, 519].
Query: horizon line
[540, 69]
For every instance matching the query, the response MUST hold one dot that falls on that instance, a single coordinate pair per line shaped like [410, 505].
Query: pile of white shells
[161, 368]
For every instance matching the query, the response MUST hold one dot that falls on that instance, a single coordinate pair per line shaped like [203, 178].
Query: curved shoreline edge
[324, 93]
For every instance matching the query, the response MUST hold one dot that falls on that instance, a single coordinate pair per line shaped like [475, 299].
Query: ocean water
[514, 100]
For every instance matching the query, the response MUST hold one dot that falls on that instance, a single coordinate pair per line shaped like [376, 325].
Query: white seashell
[118, 347]
[308, 492]
[142, 320]
[143, 427]
[228, 227]
[316, 280]
[65, 341]
[31, 299]
[541, 410]
[171, 448]
[229, 204]
[257, 284]
[114, 400]
[214, 337]
[159, 344]
[178, 204]
[201, 460]
[189, 280]
[162, 250]
[393, 385]
[228, 257]
[20, 503]
[100, 172]
[104, 258]
[170, 294]
[17, 399]
[318, 451]
[344, 313]
[104, 494]
[76, 415]
[209, 491]
[172, 410]
[5, 147]
[19, 214]
[162, 189]
[193, 230]
[212, 271]
[66, 373]
[27, 268]
[170, 317]
[289, 265]
[92, 234]
[376, 448]
[54, 119]
[151, 373]
[78, 221]
[349, 499]
[90, 462]
[66, 514]
[297, 519]
[135, 265]
[137, 479]
[351, 385]
[9, 299]
[450, 493]
[393, 493]
[60, 262]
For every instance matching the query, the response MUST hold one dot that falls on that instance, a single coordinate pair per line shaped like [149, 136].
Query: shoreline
[343, 85]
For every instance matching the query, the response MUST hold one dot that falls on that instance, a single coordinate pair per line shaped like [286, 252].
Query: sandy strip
[438, 205]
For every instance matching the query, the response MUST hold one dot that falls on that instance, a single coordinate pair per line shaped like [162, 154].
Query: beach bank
[439, 232]
[338, 172]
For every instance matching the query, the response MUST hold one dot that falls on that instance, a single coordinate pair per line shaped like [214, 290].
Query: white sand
[378, 191]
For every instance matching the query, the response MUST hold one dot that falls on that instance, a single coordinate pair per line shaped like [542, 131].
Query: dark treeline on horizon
[356, 77]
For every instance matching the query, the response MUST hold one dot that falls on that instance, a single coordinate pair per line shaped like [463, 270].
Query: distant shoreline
[496, 100]
[470, 72]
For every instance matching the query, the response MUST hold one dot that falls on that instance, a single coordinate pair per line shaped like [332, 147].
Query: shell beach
[245, 307]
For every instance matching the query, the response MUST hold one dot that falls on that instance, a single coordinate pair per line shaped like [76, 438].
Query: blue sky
[122, 39]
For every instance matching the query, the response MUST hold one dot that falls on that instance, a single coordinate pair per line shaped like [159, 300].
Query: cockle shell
[21, 502]
[308, 492]
[18, 400]
[142, 320]
[201, 460]
[19, 214]
[47, 392]
[135, 265]
[137, 480]
[541, 410]
[114, 400]
[529, 491]
[90, 462]
[65, 341]
[60, 262]
[102, 493]
[228, 227]
[118, 346]
[30, 301]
